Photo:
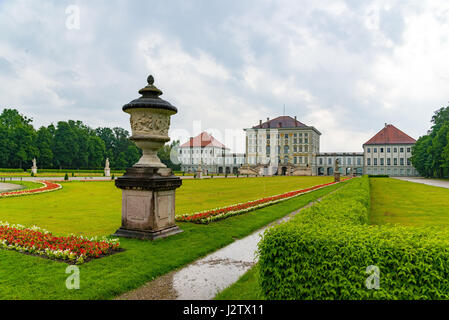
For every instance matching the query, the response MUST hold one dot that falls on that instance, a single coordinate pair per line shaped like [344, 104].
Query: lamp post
[148, 188]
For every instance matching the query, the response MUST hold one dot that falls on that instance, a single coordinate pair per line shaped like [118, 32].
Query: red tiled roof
[204, 140]
[280, 122]
[391, 135]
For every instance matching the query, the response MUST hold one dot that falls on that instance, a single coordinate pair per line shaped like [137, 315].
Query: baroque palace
[286, 146]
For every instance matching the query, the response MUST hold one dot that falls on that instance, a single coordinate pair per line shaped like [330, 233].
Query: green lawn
[408, 203]
[78, 204]
[246, 288]
[195, 195]
[93, 208]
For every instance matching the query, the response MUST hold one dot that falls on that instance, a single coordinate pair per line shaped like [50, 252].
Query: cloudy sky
[344, 67]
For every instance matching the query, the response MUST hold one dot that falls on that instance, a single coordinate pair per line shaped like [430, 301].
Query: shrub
[378, 176]
[324, 252]
[66, 177]
[11, 170]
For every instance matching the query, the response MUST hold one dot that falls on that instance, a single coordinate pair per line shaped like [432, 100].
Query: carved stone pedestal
[337, 176]
[148, 203]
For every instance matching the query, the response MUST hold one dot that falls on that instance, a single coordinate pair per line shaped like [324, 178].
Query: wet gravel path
[6, 187]
[206, 277]
[430, 182]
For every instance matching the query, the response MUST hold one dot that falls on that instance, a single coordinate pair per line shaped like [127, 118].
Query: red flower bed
[222, 213]
[47, 187]
[73, 249]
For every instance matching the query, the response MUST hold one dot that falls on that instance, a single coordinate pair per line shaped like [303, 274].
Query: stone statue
[337, 171]
[34, 167]
[337, 165]
[107, 170]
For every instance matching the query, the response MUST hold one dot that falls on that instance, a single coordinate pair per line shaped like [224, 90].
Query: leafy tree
[96, 150]
[164, 155]
[44, 144]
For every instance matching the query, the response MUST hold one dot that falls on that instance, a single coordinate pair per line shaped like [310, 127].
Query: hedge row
[73, 170]
[11, 170]
[326, 253]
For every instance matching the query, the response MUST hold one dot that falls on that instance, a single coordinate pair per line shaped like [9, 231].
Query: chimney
[268, 123]
[260, 122]
[295, 122]
[280, 124]
[386, 124]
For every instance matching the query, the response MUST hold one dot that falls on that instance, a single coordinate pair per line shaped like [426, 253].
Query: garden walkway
[430, 182]
[206, 277]
[5, 187]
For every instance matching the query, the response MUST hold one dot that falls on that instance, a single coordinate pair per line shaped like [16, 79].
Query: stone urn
[148, 187]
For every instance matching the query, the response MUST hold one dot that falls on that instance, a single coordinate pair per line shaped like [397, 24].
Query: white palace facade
[286, 146]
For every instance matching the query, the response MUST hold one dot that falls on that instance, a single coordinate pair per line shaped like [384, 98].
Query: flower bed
[208, 216]
[47, 187]
[72, 249]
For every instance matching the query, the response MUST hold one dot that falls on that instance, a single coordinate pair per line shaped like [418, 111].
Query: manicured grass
[408, 203]
[246, 288]
[74, 208]
[196, 195]
[92, 208]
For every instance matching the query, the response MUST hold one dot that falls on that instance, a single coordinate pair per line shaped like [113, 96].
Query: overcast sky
[344, 67]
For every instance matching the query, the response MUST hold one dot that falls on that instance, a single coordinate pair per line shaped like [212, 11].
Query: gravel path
[5, 187]
[430, 182]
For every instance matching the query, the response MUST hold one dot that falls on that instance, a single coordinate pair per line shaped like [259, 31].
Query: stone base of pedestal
[34, 170]
[107, 172]
[337, 177]
[150, 235]
[148, 203]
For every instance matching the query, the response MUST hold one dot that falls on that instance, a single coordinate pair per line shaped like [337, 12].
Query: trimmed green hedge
[324, 253]
[11, 170]
[74, 171]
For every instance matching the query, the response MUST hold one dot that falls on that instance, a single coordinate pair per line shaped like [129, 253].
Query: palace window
[381, 150]
[388, 162]
[368, 162]
[375, 150]
[359, 161]
[402, 161]
[381, 161]
[375, 161]
[388, 150]
[285, 149]
[395, 150]
[408, 162]
[395, 161]
[402, 149]
[368, 150]
[408, 150]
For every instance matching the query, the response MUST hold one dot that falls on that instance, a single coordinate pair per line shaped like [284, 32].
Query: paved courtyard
[430, 182]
